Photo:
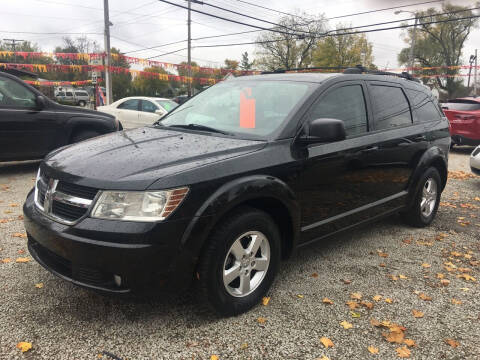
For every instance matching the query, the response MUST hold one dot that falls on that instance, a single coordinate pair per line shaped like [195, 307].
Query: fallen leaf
[440, 276]
[403, 277]
[261, 320]
[382, 254]
[326, 342]
[315, 275]
[425, 265]
[425, 297]
[373, 350]
[417, 313]
[346, 325]
[452, 343]
[403, 352]
[7, 211]
[265, 300]
[445, 282]
[388, 300]
[393, 277]
[355, 314]
[382, 265]
[455, 301]
[244, 346]
[375, 322]
[356, 296]
[396, 336]
[352, 304]
[24, 346]
[214, 357]
[327, 301]
[409, 342]
[346, 281]
[13, 205]
[323, 358]
[22, 260]
[20, 235]
[6, 260]
[367, 304]
[467, 277]
[377, 297]
[39, 285]
[407, 241]
[300, 296]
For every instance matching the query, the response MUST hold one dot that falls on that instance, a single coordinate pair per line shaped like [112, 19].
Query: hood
[82, 111]
[134, 159]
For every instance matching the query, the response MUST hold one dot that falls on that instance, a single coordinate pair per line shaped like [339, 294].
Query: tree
[291, 47]
[121, 82]
[231, 64]
[440, 44]
[343, 50]
[151, 86]
[245, 64]
[25, 46]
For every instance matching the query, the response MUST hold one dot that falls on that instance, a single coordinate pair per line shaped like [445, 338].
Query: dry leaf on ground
[409, 342]
[426, 266]
[417, 313]
[377, 297]
[39, 285]
[456, 302]
[425, 297]
[261, 320]
[20, 235]
[388, 300]
[373, 350]
[6, 260]
[403, 352]
[315, 275]
[24, 346]
[453, 343]
[356, 295]
[326, 342]
[346, 325]
[265, 300]
[327, 301]
[214, 357]
[22, 260]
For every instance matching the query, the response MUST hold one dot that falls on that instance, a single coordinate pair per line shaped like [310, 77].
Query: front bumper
[144, 256]
[475, 161]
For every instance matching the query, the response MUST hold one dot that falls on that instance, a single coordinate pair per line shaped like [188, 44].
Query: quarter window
[131, 104]
[391, 107]
[14, 94]
[424, 109]
[346, 103]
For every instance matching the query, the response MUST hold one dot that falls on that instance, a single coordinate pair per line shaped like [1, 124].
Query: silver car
[475, 161]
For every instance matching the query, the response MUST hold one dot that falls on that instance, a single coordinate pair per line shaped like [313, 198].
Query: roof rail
[359, 69]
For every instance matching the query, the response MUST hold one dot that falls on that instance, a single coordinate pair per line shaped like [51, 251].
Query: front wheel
[240, 262]
[425, 205]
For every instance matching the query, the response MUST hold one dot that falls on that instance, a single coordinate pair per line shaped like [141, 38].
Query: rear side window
[131, 104]
[461, 105]
[391, 108]
[345, 103]
[423, 107]
[69, 93]
[81, 93]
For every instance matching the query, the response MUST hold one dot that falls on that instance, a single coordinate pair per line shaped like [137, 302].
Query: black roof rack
[359, 69]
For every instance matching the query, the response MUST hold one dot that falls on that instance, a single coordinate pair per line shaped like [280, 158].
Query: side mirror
[41, 102]
[159, 112]
[324, 131]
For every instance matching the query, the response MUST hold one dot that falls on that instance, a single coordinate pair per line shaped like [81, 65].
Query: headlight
[138, 205]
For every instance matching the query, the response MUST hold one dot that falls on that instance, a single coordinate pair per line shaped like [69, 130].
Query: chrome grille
[62, 201]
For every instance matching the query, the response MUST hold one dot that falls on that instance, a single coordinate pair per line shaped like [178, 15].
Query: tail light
[465, 117]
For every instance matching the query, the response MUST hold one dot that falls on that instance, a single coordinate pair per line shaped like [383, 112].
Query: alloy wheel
[429, 197]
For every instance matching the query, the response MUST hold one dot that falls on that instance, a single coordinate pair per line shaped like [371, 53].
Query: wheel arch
[78, 124]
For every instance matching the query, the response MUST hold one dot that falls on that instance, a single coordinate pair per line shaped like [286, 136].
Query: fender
[101, 125]
[432, 155]
[232, 194]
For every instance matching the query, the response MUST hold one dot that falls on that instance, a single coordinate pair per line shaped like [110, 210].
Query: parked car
[180, 99]
[464, 117]
[475, 161]
[138, 111]
[228, 184]
[73, 97]
[32, 125]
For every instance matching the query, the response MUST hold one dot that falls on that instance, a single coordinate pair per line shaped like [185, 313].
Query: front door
[148, 114]
[26, 132]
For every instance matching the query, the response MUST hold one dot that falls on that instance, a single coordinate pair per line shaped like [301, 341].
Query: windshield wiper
[201, 128]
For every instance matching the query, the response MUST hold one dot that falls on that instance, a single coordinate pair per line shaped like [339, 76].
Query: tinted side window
[424, 109]
[14, 94]
[345, 103]
[131, 104]
[69, 93]
[391, 107]
[148, 106]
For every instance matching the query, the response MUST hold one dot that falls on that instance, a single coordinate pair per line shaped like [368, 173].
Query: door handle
[370, 149]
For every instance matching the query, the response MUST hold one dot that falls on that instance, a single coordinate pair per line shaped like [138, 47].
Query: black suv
[229, 183]
[31, 125]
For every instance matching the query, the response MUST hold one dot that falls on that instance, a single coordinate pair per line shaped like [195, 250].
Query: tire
[246, 226]
[83, 135]
[427, 198]
[82, 103]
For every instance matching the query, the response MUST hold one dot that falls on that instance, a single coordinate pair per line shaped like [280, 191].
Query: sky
[146, 23]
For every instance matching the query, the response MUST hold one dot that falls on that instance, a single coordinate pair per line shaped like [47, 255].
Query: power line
[327, 34]
[48, 33]
[267, 8]
[384, 9]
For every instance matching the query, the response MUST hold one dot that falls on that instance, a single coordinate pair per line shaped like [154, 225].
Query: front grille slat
[67, 212]
[77, 190]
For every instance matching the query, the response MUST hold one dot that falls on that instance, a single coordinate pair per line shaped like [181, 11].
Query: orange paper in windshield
[247, 109]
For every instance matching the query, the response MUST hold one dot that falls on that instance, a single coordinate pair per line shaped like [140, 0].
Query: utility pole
[475, 75]
[189, 72]
[470, 61]
[108, 58]
[13, 43]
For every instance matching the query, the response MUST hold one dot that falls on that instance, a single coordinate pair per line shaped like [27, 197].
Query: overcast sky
[145, 23]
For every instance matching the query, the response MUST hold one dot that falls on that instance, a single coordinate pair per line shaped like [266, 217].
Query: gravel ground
[66, 322]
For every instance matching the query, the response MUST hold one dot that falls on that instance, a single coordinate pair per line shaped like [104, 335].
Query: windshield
[255, 108]
[168, 105]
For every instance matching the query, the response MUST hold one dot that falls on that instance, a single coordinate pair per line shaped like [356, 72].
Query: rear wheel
[425, 206]
[82, 103]
[83, 135]
[240, 262]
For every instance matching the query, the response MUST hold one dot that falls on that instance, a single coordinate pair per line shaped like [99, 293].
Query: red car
[464, 117]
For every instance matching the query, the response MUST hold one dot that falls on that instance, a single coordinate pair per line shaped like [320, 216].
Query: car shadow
[463, 149]
[19, 167]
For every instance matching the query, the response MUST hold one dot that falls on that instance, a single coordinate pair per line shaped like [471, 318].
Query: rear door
[399, 142]
[26, 132]
[128, 112]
